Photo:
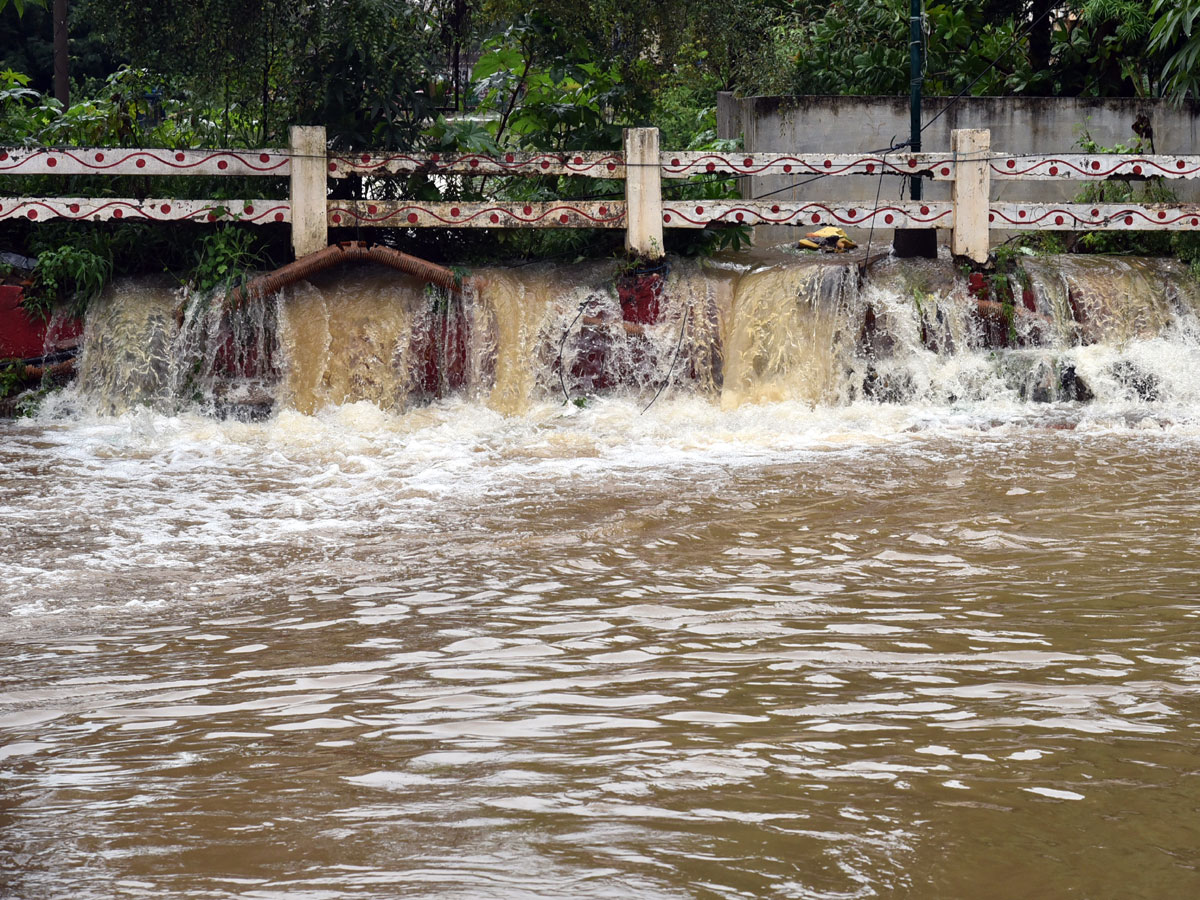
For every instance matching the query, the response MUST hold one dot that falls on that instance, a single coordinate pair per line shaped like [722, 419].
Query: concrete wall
[827, 124]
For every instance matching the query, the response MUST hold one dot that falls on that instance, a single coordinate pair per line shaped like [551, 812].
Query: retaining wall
[1018, 125]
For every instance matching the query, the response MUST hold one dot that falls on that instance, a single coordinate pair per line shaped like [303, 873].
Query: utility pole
[62, 91]
[915, 241]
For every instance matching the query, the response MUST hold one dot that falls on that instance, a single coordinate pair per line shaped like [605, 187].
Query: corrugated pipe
[333, 255]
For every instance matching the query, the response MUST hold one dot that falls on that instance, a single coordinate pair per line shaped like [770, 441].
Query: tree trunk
[62, 90]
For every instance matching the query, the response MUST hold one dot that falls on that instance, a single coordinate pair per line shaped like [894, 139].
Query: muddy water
[776, 651]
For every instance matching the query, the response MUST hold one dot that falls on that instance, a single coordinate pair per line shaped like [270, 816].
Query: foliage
[71, 273]
[224, 257]
[1174, 33]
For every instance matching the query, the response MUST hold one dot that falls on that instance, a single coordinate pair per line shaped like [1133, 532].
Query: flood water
[775, 639]
[595, 654]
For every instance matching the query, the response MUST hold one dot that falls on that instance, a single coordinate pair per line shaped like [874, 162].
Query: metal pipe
[915, 78]
[335, 254]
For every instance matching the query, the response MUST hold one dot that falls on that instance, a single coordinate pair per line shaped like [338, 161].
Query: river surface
[765, 652]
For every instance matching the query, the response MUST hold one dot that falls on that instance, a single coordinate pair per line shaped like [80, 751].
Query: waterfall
[812, 330]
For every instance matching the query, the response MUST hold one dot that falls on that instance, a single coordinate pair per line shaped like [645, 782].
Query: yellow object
[826, 233]
[829, 239]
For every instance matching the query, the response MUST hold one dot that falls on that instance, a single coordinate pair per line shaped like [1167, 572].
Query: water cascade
[812, 330]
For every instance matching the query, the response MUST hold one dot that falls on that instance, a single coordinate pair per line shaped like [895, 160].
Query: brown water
[736, 646]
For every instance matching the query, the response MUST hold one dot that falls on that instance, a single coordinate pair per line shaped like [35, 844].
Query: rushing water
[769, 639]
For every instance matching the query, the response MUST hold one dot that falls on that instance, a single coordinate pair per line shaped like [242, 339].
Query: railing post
[643, 193]
[310, 229]
[971, 193]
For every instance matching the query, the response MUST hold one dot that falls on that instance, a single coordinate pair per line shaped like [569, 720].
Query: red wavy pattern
[156, 211]
[258, 162]
[1127, 165]
[812, 213]
[389, 216]
[745, 164]
[438, 163]
[1126, 216]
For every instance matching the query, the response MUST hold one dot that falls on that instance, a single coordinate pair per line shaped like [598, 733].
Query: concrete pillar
[971, 193]
[643, 193]
[310, 230]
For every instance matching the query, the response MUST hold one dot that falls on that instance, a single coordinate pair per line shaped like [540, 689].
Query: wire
[563, 346]
[678, 345]
[1022, 34]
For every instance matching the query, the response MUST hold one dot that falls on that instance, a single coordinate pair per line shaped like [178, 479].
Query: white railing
[969, 166]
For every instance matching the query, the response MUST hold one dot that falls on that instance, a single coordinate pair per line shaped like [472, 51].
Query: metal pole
[914, 66]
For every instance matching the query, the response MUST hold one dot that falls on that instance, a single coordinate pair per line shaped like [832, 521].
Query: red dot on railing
[336, 219]
[1137, 170]
[32, 214]
[222, 164]
[474, 164]
[99, 157]
[1161, 214]
[579, 160]
[74, 207]
[366, 158]
[612, 167]
[120, 214]
[166, 208]
[816, 217]
[604, 210]
[527, 210]
[666, 217]
[52, 162]
[870, 168]
[787, 167]
[924, 210]
[1129, 220]
[264, 157]
[141, 164]
[748, 161]
[945, 171]
[699, 210]
[564, 218]
[1195, 222]
[1095, 212]
[851, 213]
[912, 163]
[1012, 164]
[372, 209]
[1095, 164]
[545, 163]
[1021, 214]
[1054, 170]
[775, 208]
[249, 210]
[3, 155]
[412, 218]
[179, 157]
[710, 167]
[1180, 164]
[889, 219]
[675, 162]
[1058, 220]
[827, 164]
[278, 217]
[991, 217]
[333, 167]
[454, 210]
[741, 217]
[508, 157]
[435, 157]
[494, 218]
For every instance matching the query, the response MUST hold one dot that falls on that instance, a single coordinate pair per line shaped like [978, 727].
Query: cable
[563, 346]
[671, 369]
[1022, 34]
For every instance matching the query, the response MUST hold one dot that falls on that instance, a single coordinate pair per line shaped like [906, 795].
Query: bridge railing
[969, 166]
